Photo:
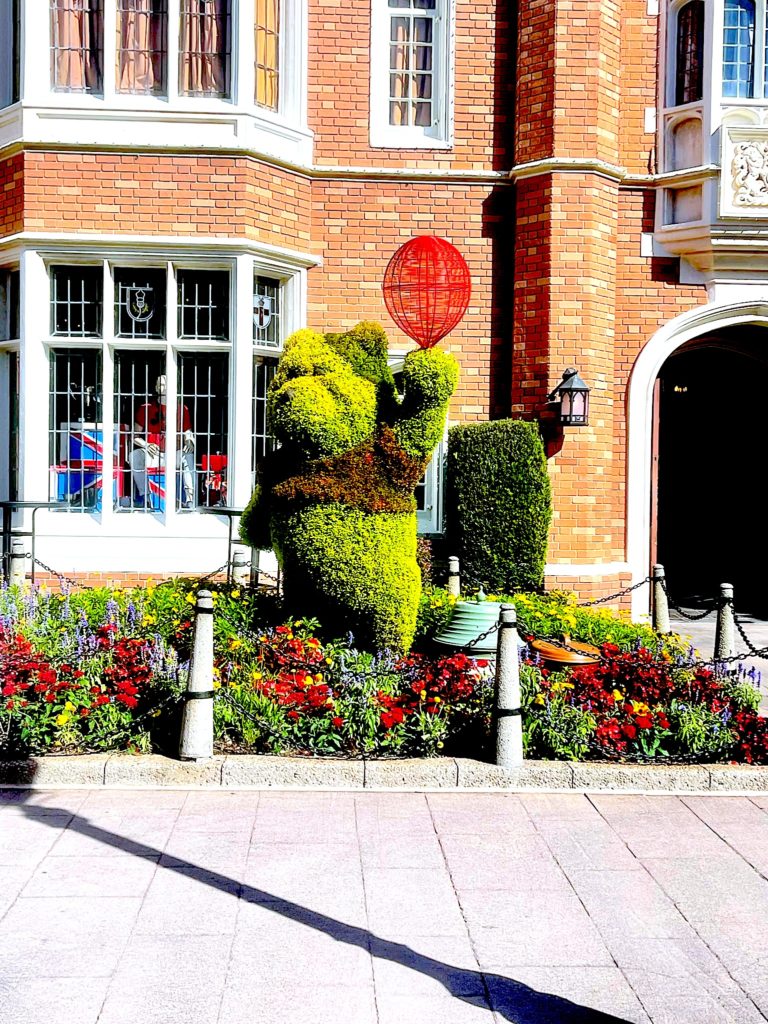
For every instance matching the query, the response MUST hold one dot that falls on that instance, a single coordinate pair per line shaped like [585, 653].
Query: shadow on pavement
[511, 1000]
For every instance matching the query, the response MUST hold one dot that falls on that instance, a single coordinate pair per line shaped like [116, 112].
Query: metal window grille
[267, 53]
[266, 312]
[203, 428]
[140, 303]
[263, 442]
[203, 305]
[142, 46]
[411, 62]
[9, 53]
[139, 475]
[76, 301]
[9, 305]
[204, 47]
[739, 48]
[76, 436]
[77, 45]
[690, 52]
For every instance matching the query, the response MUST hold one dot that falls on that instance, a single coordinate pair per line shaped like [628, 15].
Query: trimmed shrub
[499, 503]
[336, 499]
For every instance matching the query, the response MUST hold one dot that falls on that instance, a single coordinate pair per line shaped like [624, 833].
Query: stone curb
[126, 771]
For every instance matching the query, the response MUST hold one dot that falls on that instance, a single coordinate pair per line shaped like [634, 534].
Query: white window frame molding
[439, 135]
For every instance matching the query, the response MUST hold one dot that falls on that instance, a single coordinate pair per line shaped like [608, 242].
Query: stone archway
[738, 328]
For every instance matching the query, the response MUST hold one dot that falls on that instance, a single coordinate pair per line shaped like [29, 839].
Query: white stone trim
[570, 569]
[752, 310]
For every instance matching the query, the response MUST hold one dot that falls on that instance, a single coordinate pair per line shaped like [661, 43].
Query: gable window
[204, 48]
[9, 52]
[690, 53]
[267, 53]
[77, 46]
[410, 73]
[142, 32]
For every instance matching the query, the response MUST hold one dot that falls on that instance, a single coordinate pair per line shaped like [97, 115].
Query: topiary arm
[429, 379]
[255, 520]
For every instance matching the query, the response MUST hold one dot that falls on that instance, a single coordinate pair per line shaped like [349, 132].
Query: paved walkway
[168, 907]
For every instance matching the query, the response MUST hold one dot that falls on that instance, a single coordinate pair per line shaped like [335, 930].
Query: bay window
[267, 35]
[690, 52]
[204, 48]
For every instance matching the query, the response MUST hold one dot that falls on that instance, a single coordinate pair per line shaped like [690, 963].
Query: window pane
[76, 296]
[75, 429]
[203, 429]
[411, 57]
[9, 305]
[263, 442]
[9, 52]
[76, 45]
[267, 53]
[690, 52]
[204, 47]
[140, 431]
[738, 48]
[9, 425]
[266, 312]
[140, 303]
[142, 27]
[204, 304]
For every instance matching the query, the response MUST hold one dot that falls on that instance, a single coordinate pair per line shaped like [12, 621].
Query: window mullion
[107, 398]
[172, 57]
[109, 51]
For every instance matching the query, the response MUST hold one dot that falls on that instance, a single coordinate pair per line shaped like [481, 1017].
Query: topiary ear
[365, 348]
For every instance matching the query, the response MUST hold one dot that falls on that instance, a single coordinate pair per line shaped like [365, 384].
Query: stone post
[18, 566]
[454, 577]
[509, 721]
[241, 567]
[725, 630]
[197, 722]
[660, 603]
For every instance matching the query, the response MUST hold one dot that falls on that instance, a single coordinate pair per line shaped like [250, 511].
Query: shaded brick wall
[11, 195]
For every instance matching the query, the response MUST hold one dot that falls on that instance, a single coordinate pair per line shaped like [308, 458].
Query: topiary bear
[336, 499]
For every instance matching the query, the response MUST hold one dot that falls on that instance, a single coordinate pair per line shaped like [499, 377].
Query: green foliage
[499, 503]
[355, 570]
[338, 494]
[553, 727]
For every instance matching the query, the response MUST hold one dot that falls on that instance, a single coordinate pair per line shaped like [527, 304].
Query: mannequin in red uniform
[149, 445]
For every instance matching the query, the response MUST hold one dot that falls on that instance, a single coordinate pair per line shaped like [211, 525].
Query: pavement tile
[52, 1000]
[189, 901]
[27, 841]
[162, 982]
[740, 824]
[34, 803]
[631, 902]
[247, 1001]
[560, 995]
[13, 878]
[384, 851]
[123, 801]
[303, 957]
[411, 902]
[579, 846]
[525, 862]
[563, 806]
[224, 852]
[408, 1008]
[65, 937]
[115, 835]
[91, 876]
[485, 814]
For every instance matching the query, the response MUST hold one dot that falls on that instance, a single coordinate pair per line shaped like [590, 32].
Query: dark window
[140, 303]
[203, 428]
[690, 53]
[204, 305]
[140, 389]
[204, 46]
[9, 305]
[263, 443]
[10, 56]
[266, 312]
[142, 32]
[76, 299]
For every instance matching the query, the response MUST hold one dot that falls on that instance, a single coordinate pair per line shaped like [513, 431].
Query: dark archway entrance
[712, 436]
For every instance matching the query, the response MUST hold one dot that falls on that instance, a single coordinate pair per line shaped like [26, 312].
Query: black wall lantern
[573, 395]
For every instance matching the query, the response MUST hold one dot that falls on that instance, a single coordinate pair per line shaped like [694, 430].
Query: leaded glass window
[76, 301]
[411, 62]
[690, 52]
[739, 48]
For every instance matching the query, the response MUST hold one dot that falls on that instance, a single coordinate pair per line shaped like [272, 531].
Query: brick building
[184, 183]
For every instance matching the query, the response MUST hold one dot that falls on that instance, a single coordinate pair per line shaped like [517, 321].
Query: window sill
[386, 139]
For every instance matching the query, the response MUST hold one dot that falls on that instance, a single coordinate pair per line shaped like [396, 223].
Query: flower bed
[105, 670]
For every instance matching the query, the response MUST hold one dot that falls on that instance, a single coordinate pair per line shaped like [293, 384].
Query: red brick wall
[158, 194]
[11, 195]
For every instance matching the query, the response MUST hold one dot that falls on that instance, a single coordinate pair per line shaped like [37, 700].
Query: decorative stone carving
[750, 173]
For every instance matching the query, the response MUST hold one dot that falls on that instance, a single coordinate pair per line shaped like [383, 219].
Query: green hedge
[499, 503]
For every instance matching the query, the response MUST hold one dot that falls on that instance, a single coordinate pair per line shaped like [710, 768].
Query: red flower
[337, 722]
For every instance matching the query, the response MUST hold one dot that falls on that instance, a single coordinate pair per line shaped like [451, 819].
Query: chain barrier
[619, 593]
[691, 616]
[742, 632]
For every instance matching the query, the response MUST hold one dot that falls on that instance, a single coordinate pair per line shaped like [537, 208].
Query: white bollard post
[725, 633]
[197, 722]
[454, 577]
[660, 603]
[509, 714]
[18, 568]
[241, 567]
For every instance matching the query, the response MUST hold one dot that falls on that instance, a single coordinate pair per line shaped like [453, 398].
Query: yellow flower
[440, 746]
[255, 676]
[148, 620]
[217, 684]
[63, 718]
[437, 700]
[329, 661]
[234, 643]
[235, 594]
[190, 598]
[423, 694]
[319, 677]
[618, 695]
[539, 699]
[69, 706]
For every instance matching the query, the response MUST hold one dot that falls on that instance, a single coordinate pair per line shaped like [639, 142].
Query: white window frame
[10, 45]
[438, 135]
